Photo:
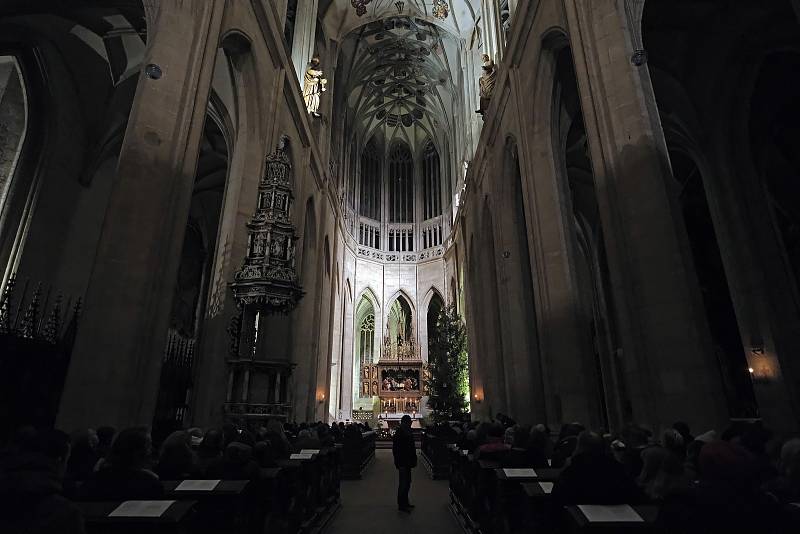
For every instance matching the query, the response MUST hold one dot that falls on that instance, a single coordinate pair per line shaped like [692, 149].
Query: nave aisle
[368, 505]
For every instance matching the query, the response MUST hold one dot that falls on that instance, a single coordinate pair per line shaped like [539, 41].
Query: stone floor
[369, 504]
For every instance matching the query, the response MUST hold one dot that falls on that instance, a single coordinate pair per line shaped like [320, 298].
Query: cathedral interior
[245, 211]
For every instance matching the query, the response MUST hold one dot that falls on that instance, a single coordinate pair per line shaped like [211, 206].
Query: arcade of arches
[618, 227]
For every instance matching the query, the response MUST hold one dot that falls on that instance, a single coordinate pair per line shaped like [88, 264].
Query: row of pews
[301, 495]
[488, 499]
[358, 452]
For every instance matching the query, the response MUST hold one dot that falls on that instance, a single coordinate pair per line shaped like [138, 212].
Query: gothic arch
[432, 292]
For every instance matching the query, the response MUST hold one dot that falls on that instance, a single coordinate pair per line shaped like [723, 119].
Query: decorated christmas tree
[448, 377]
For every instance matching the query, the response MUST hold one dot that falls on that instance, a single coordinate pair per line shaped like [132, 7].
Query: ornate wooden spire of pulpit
[267, 279]
[266, 284]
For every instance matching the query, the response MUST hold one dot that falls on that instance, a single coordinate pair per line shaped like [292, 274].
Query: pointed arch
[400, 317]
[366, 346]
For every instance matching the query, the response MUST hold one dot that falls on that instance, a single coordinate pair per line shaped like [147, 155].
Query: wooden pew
[508, 511]
[222, 506]
[578, 519]
[435, 455]
[175, 519]
[357, 453]
[313, 482]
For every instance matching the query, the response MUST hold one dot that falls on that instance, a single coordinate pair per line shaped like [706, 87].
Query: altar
[401, 380]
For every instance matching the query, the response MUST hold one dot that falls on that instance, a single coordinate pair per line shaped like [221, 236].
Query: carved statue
[487, 83]
[313, 86]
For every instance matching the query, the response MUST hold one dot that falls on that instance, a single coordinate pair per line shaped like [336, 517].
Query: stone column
[114, 374]
[347, 355]
[305, 29]
[671, 374]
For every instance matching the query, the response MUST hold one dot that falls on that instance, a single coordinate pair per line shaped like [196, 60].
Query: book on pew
[620, 513]
[301, 456]
[197, 485]
[547, 487]
[309, 451]
[519, 473]
[141, 509]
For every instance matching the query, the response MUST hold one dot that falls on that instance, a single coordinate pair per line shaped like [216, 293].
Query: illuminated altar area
[392, 383]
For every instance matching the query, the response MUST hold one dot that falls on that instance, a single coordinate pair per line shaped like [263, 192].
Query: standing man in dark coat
[405, 457]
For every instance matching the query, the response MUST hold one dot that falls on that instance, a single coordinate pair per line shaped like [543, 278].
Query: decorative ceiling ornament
[361, 6]
[440, 9]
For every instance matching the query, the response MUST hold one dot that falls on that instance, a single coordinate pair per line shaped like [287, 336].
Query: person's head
[50, 443]
[589, 443]
[521, 437]
[238, 453]
[315, 61]
[570, 429]
[131, 449]
[105, 436]
[305, 433]
[537, 440]
[683, 429]
[176, 451]
[496, 430]
[211, 444]
[274, 426]
[85, 441]
[673, 442]
[406, 421]
[653, 459]
[262, 453]
[790, 459]
[724, 461]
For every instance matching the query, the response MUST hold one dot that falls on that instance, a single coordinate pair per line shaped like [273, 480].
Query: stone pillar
[115, 369]
[669, 370]
[347, 356]
[305, 29]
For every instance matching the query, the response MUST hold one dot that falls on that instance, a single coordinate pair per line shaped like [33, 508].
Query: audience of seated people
[739, 481]
[43, 471]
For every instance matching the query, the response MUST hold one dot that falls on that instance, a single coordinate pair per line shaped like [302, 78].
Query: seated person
[567, 440]
[83, 455]
[786, 487]
[30, 486]
[518, 455]
[726, 498]
[210, 449]
[177, 460]
[494, 448]
[236, 464]
[264, 455]
[592, 476]
[126, 473]
[307, 439]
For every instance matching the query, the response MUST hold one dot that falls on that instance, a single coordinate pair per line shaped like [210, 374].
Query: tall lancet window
[365, 349]
[367, 339]
[401, 184]
[13, 122]
[371, 180]
[432, 182]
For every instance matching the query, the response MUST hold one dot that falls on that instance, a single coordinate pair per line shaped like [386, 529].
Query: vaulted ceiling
[341, 17]
[399, 72]
[399, 76]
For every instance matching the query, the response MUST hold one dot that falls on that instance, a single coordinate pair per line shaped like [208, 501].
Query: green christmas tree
[448, 377]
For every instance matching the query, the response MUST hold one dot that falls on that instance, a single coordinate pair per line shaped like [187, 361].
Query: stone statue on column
[486, 83]
[313, 86]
